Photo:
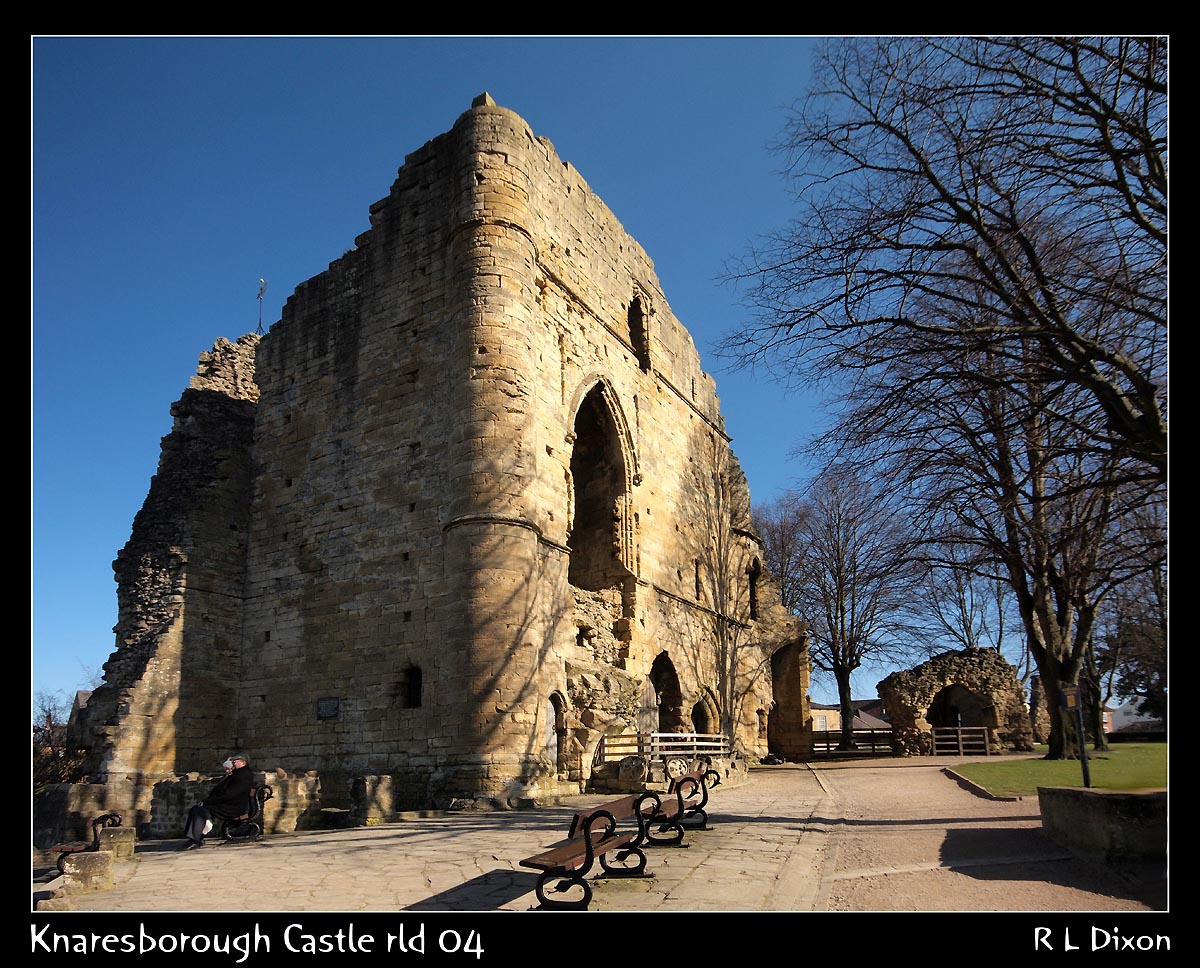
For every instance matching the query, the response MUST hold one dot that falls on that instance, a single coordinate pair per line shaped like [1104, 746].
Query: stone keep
[466, 508]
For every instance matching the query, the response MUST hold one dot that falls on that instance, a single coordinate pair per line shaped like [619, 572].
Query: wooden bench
[655, 816]
[65, 850]
[621, 828]
[593, 836]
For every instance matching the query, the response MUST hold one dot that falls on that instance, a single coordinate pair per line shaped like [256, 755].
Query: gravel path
[906, 837]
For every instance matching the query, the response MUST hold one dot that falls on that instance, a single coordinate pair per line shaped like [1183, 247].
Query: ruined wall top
[229, 368]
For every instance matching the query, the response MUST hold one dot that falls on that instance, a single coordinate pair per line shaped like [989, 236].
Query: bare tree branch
[1007, 194]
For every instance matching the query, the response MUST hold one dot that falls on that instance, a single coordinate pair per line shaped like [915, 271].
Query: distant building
[868, 714]
[1126, 719]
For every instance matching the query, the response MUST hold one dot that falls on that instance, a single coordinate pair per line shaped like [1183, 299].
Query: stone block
[56, 902]
[121, 842]
[88, 871]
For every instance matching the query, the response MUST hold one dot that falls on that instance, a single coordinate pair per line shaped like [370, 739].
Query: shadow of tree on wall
[727, 656]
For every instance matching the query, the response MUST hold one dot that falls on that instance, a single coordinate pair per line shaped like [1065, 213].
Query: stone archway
[957, 706]
[601, 524]
[600, 493]
[706, 714]
[665, 680]
[974, 687]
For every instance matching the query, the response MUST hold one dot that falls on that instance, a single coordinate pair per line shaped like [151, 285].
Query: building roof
[854, 704]
[867, 721]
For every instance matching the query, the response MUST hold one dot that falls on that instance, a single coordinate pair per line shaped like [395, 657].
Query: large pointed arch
[603, 471]
[596, 381]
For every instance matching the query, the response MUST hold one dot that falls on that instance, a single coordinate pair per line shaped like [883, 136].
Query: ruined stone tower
[466, 508]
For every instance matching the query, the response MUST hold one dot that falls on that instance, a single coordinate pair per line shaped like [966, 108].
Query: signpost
[1068, 698]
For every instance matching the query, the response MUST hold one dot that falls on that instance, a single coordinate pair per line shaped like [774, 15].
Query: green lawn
[1126, 766]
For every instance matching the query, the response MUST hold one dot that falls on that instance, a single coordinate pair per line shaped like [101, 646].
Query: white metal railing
[654, 745]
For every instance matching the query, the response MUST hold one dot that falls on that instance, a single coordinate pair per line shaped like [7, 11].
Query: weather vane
[262, 288]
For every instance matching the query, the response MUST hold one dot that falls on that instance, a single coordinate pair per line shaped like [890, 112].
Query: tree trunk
[843, 684]
[1063, 743]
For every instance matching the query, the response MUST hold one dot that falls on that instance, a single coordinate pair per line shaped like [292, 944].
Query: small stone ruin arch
[973, 687]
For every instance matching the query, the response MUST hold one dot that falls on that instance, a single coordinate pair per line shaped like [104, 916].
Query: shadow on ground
[988, 854]
[486, 892]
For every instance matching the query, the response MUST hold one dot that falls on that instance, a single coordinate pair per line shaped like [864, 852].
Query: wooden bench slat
[571, 854]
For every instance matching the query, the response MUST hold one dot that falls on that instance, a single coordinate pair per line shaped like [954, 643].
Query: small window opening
[411, 687]
[638, 337]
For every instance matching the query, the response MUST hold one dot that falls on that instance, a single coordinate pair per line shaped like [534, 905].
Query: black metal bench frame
[691, 791]
[656, 816]
[249, 826]
[661, 820]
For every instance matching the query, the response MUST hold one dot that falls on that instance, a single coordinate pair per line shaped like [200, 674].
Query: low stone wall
[63, 812]
[171, 802]
[636, 773]
[1113, 826]
[295, 803]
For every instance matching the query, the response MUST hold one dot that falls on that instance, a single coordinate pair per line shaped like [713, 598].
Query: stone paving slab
[748, 860]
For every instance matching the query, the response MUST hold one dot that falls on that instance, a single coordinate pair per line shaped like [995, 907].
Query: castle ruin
[468, 507]
[973, 688]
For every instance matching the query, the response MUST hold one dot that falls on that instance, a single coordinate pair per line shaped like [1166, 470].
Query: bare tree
[1007, 194]
[55, 759]
[781, 524]
[1131, 642]
[986, 468]
[966, 602]
[852, 577]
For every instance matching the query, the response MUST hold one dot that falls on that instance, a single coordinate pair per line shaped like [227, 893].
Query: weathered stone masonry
[971, 687]
[482, 512]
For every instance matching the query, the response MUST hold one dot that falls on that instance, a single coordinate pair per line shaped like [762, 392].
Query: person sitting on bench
[226, 801]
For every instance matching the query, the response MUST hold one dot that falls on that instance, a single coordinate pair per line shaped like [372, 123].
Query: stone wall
[63, 812]
[482, 511]
[1110, 826]
[295, 803]
[168, 700]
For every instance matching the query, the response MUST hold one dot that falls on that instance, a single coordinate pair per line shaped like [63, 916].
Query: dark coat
[229, 798]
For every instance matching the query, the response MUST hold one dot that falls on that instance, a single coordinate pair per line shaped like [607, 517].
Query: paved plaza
[868, 835]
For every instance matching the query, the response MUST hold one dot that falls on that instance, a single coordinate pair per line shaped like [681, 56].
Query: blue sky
[169, 174]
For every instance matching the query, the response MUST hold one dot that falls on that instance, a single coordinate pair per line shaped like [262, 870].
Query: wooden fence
[960, 741]
[865, 741]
